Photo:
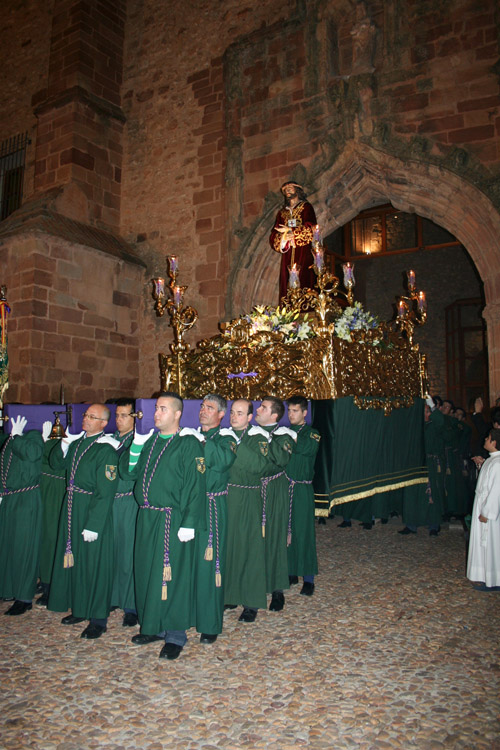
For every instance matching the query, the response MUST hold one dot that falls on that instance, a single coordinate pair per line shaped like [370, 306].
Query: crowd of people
[175, 526]
[172, 527]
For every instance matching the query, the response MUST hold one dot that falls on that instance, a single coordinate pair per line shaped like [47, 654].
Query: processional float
[318, 343]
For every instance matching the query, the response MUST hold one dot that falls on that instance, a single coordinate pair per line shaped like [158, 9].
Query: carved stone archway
[364, 176]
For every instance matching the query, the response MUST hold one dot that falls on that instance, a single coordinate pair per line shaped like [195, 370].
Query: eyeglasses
[91, 416]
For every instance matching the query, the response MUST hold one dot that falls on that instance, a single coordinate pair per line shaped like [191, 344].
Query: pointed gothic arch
[364, 176]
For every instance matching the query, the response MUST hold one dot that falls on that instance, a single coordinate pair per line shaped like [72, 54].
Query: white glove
[430, 403]
[191, 431]
[141, 439]
[185, 535]
[46, 430]
[65, 442]
[256, 430]
[18, 425]
[110, 440]
[89, 536]
[286, 431]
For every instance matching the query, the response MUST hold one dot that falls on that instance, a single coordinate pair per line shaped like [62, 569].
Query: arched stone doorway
[362, 177]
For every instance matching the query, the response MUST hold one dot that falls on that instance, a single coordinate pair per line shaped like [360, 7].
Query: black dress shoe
[292, 580]
[367, 526]
[42, 600]
[433, 532]
[130, 620]
[19, 608]
[141, 639]
[39, 588]
[170, 651]
[70, 620]
[114, 607]
[406, 531]
[384, 520]
[93, 631]
[248, 615]
[206, 638]
[277, 601]
[307, 589]
[229, 606]
[344, 525]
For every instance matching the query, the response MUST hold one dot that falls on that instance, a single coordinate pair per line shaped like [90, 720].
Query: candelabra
[411, 308]
[181, 318]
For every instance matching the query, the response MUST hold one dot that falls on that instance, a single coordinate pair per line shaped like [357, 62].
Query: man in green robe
[170, 489]
[210, 544]
[53, 489]
[245, 581]
[276, 506]
[302, 559]
[456, 501]
[125, 511]
[82, 576]
[20, 515]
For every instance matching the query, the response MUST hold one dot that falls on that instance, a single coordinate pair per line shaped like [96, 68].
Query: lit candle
[316, 234]
[411, 280]
[348, 274]
[422, 302]
[319, 258]
[178, 294]
[401, 309]
[159, 287]
[293, 278]
[174, 263]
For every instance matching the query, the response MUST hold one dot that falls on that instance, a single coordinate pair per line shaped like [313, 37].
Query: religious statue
[292, 236]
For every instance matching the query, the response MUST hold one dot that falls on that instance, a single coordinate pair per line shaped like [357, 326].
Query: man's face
[489, 444]
[167, 416]
[239, 417]
[264, 416]
[124, 420]
[459, 414]
[445, 407]
[94, 420]
[210, 416]
[296, 415]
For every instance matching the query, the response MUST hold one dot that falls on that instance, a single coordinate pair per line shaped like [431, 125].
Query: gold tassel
[439, 470]
[263, 530]
[209, 553]
[167, 573]
[289, 539]
[164, 591]
[448, 471]
[218, 580]
[69, 560]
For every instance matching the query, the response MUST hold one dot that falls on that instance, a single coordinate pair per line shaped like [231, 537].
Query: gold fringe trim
[377, 490]
[209, 553]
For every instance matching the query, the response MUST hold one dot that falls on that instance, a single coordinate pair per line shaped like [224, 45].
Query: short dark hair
[447, 401]
[125, 401]
[438, 401]
[495, 437]
[298, 401]
[277, 406]
[175, 396]
[219, 400]
[495, 416]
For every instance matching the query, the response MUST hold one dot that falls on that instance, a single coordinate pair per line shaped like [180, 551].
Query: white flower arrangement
[282, 321]
[354, 319]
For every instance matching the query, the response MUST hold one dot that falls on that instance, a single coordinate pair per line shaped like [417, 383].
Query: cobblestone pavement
[394, 650]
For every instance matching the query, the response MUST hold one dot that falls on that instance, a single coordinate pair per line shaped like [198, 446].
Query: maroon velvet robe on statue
[305, 220]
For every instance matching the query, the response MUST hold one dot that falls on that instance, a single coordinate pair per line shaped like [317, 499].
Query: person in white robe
[483, 564]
